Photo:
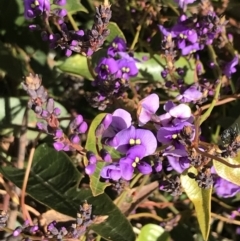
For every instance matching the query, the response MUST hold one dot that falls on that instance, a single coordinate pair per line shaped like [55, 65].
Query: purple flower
[120, 120]
[127, 69]
[183, 3]
[128, 138]
[225, 188]
[111, 172]
[132, 161]
[189, 49]
[92, 162]
[147, 107]
[50, 110]
[126, 166]
[167, 135]
[61, 146]
[175, 114]
[34, 8]
[78, 126]
[192, 94]
[117, 45]
[106, 66]
[178, 158]
[60, 2]
[230, 67]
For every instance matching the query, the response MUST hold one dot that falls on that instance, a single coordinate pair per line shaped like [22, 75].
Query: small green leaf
[153, 232]
[201, 198]
[96, 186]
[54, 182]
[229, 173]
[75, 64]
[115, 31]
[74, 6]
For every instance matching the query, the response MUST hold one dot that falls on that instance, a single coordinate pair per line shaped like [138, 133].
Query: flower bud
[75, 139]
[105, 155]
[83, 127]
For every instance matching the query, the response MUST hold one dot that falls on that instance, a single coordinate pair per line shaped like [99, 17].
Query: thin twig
[216, 158]
[214, 101]
[24, 186]
[225, 219]
[142, 215]
[220, 102]
[72, 21]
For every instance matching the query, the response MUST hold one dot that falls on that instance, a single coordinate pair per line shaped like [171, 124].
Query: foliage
[122, 115]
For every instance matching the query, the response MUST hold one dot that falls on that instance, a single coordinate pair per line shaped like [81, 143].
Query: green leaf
[229, 173]
[150, 69]
[74, 6]
[153, 232]
[201, 198]
[54, 181]
[96, 186]
[11, 59]
[12, 112]
[115, 31]
[75, 64]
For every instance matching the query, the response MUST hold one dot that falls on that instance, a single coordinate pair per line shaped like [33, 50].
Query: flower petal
[181, 111]
[148, 140]
[144, 168]
[126, 168]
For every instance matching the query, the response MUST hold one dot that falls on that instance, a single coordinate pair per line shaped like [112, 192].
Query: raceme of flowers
[113, 74]
[84, 42]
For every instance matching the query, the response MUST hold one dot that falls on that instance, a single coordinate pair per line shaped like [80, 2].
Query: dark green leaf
[54, 180]
[153, 232]
[75, 64]
[96, 186]
[201, 198]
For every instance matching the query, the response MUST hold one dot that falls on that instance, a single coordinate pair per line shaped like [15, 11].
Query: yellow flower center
[137, 160]
[134, 164]
[104, 66]
[134, 141]
[35, 4]
[115, 45]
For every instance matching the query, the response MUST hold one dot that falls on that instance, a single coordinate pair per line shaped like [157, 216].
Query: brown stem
[24, 186]
[217, 159]
[220, 102]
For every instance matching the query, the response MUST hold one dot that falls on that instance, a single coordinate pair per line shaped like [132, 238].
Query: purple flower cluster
[54, 231]
[34, 8]
[113, 74]
[25, 228]
[83, 221]
[85, 42]
[193, 33]
[44, 107]
[134, 143]
[175, 129]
